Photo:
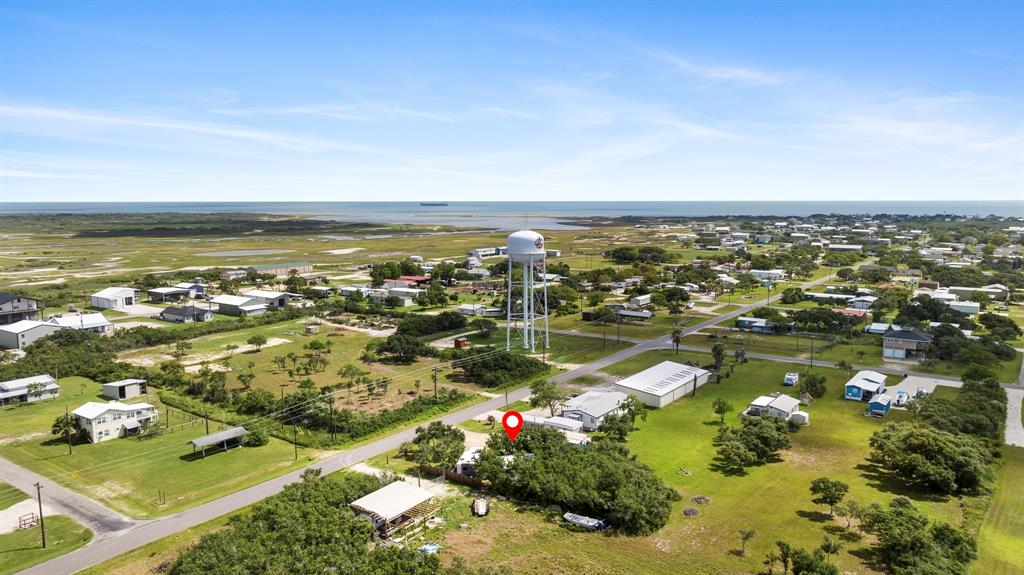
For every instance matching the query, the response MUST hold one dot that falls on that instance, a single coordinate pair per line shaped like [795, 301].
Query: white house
[664, 383]
[113, 298]
[640, 300]
[103, 421]
[18, 389]
[781, 406]
[771, 275]
[591, 407]
[94, 322]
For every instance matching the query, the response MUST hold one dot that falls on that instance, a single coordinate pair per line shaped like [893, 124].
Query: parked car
[792, 378]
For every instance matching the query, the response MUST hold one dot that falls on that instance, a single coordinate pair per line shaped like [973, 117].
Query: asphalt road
[103, 522]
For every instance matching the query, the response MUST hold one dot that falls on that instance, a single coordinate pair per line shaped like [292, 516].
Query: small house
[640, 301]
[27, 389]
[862, 302]
[461, 343]
[231, 275]
[124, 389]
[187, 314]
[864, 385]
[94, 322]
[592, 407]
[781, 406]
[104, 421]
[113, 298]
[879, 405]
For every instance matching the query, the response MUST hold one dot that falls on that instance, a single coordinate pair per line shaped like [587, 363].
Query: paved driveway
[1014, 426]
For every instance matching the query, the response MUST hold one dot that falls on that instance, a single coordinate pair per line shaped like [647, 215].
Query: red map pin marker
[512, 421]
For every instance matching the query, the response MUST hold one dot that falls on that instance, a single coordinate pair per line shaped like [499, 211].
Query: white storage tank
[526, 245]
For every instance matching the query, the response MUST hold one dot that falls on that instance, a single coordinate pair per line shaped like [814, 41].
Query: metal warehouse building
[664, 383]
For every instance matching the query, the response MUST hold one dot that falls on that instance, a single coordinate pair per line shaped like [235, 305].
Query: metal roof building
[664, 383]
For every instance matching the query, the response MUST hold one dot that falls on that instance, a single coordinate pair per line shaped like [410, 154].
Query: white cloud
[717, 73]
[38, 120]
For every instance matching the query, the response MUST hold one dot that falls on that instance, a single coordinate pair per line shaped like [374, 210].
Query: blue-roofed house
[879, 405]
[864, 385]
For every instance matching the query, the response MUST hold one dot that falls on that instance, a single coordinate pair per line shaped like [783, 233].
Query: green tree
[828, 492]
[257, 341]
[439, 445]
[718, 352]
[677, 339]
[616, 425]
[181, 349]
[721, 407]
[547, 394]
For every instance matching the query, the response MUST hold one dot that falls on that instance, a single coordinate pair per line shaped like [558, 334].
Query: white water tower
[527, 299]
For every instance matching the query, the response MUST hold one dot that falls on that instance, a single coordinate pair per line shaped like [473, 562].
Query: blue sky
[140, 101]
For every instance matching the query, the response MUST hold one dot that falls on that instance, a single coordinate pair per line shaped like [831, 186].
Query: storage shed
[124, 389]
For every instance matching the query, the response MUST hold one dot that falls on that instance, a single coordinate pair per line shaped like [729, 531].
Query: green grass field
[9, 495]
[127, 473]
[790, 346]
[564, 348]
[1001, 540]
[772, 499]
[38, 416]
[23, 549]
[659, 326]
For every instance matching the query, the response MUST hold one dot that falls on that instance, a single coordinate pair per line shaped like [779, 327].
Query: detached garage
[664, 383]
[114, 298]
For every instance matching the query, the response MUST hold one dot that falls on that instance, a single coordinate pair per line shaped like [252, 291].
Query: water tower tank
[525, 245]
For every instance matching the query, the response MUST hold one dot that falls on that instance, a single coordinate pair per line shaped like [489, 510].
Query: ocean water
[514, 215]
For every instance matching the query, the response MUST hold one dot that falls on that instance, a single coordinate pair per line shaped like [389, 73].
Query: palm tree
[677, 339]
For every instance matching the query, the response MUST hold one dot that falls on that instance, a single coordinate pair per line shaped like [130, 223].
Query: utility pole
[506, 398]
[295, 441]
[618, 330]
[283, 385]
[433, 376]
[42, 525]
[67, 427]
[206, 417]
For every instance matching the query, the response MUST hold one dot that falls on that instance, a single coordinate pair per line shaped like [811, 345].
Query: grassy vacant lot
[1006, 371]
[346, 347]
[564, 348]
[773, 499]
[789, 346]
[22, 549]
[1002, 534]
[659, 326]
[127, 473]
